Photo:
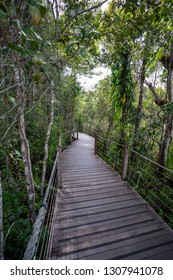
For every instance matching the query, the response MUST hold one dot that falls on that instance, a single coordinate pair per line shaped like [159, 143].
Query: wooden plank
[146, 226]
[77, 192]
[155, 254]
[117, 252]
[103, 226]
[76, 173]
[106, 221]
[151, 251]
[90, 184]
[96, 196]
[85, 172]
[141, 234]
[89, 251]
[94, 186]
[89, 181]
[100, 209]
[101, 202]
[102, 216]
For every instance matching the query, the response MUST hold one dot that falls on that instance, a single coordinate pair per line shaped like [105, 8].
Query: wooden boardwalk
[98, 216]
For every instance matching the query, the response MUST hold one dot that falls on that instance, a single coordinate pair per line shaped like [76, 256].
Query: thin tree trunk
[111, 120]
[46, 144]
[123, 123]
[25, 150]
[140, 100]
[167, 126]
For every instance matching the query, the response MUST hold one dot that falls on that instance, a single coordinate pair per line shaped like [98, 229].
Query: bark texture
[140, 100]
[46, 144]
[25, 150]
[167, 125]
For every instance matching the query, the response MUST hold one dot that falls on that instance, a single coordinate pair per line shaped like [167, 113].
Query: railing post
[96, 141]
[70, 136]
[59, 167]
[125, 161]
[77, 133]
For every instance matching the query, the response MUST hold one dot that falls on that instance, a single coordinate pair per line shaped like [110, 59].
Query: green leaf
[82, 52]
[48, 43]
[3, 15]
[33, 43]
[18, 49]
[35, 15]
[38, 59]
[96, 34]
[12, 11]
[43, 10]
[18, 24]
[12, 99]
[23, 33]
[87, 32]
[70, 46]
[18, 153]
[159, 54]
[39, 39]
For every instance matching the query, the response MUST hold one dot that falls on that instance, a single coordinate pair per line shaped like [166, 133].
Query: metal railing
[40, 242]
[151, 180]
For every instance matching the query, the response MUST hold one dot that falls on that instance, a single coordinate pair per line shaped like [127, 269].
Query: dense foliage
[44, 47]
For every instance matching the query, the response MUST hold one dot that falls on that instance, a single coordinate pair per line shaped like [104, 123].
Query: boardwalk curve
[99, 216]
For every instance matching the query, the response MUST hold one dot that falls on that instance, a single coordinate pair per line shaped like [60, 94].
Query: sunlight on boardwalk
[98, 216]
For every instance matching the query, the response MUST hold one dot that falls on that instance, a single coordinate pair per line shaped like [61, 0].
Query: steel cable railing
[111, 152]
[154, 182]
[151, 180]
[39, 244]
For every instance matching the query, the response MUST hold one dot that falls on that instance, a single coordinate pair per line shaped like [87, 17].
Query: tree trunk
[140, 100]
[111, 120]
[25, 150]
[46, 144]
[167, 125]
[123, 123]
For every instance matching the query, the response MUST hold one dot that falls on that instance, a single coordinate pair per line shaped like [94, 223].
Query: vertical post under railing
[58, 164]
[60, 159]
[77, 133]
[125, 161]
[70, 136]
[96, 141]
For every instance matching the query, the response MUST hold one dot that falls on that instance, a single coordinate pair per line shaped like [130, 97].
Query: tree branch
[17, 118]
[91, 8]
[16, 85]
[159, 101]
[84, 11]
[6, 114]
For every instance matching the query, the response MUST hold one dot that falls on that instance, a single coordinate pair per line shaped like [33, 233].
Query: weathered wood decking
[98, 216]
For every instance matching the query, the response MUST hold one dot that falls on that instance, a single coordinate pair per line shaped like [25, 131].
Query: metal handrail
[33, 242]
[150, 179]
[135, 152]
[54, 183]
